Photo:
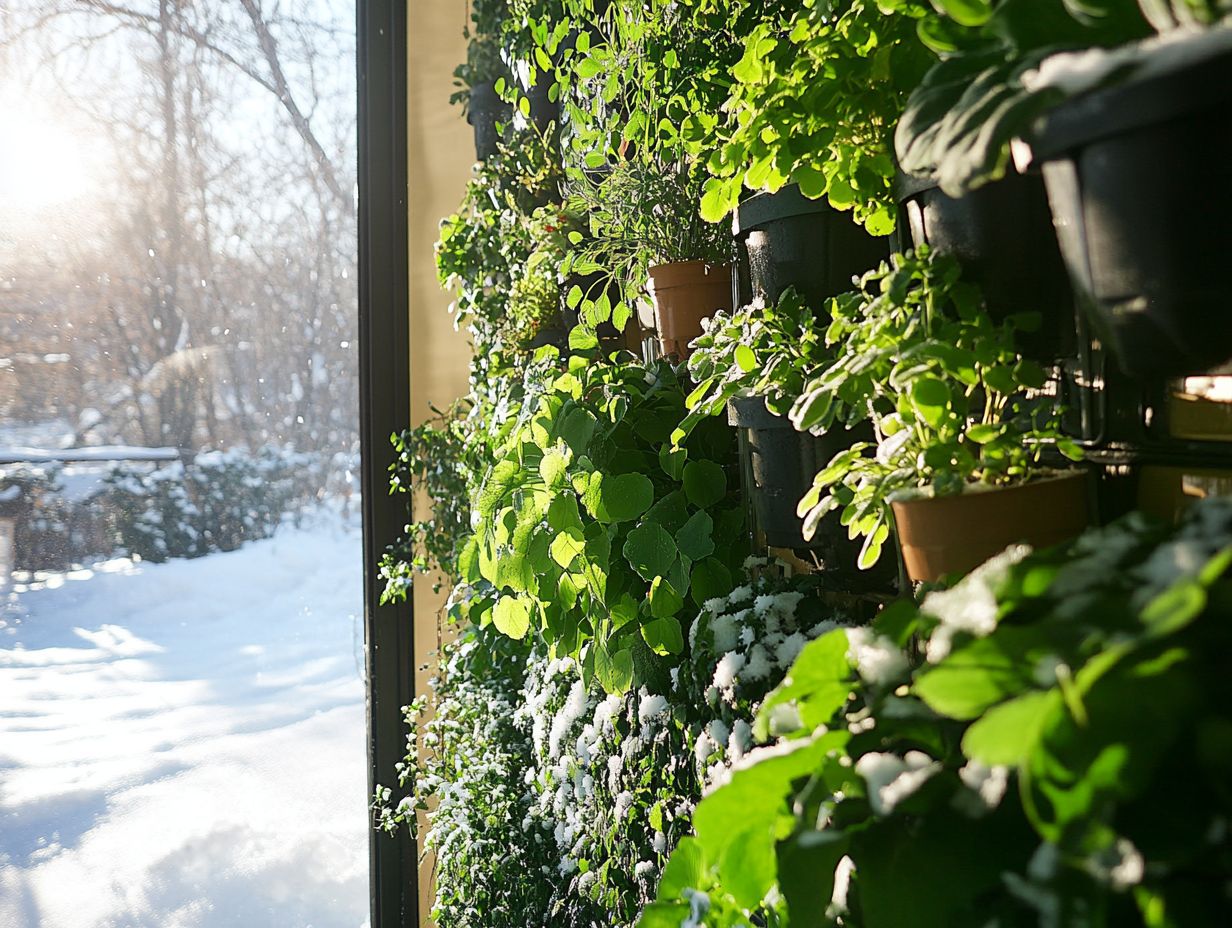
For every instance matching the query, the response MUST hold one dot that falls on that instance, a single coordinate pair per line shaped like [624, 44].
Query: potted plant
[814, 101]
[784, 239]
[752, 365]
[962, 424]
[1125, 166]
[478, 77]
[645, 234]
[1115, 116]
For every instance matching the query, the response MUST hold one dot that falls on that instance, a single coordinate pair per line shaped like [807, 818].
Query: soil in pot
[1002, 235]
[953, 534]
[778, 470]
[684, 294]
[1140, 182]
[787, 240]
[483, 112]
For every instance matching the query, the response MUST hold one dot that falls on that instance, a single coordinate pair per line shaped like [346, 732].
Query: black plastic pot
[1002, 235]
[784, 239]
[1140, 182]
[544, 112]
[778, 465]
[484, 110]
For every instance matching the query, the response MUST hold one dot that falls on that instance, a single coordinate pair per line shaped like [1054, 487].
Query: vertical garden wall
[832, 530]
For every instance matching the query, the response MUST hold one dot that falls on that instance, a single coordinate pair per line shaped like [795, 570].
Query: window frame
[385, 408]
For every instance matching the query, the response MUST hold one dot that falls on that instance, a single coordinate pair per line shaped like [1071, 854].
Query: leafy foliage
[558, 804]
[500, 253]
[1036, 750]
[639, 215]
[987, 90]
[592, 532]
[755, 351]
[953, 404]
[815, 100]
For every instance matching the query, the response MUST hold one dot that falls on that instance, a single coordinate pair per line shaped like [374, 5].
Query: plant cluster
[590, 530]
[496, 253]
[953, 404]
[759, 350]
[1036, 748]
[617, 649]
[814, 101]
[557, 803]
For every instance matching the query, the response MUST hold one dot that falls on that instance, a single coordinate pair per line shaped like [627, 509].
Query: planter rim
[1185, 87]
[910, 497]
[750, 412]
[908, 185]
[763, 208]
[684, 273]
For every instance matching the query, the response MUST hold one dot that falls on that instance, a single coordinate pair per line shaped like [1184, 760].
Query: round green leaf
[705, 483]
[511, 616]
[650, 550]
[931, 399]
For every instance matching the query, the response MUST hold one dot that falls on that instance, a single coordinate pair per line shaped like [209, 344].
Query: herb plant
[952, 402]
[1062, 699]
[640, 215]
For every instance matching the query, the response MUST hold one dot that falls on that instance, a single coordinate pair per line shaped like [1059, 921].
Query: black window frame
[385, 408]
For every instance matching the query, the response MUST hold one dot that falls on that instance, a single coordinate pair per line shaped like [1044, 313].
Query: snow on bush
[587, 793]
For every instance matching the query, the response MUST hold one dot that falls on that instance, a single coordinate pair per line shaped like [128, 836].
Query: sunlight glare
[44, 164]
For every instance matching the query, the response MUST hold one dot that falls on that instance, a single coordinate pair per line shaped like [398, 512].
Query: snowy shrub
[48, 528]
[216, 503]
[535, 760]
[467, 761]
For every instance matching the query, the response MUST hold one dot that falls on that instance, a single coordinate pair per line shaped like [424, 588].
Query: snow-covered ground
[182, 745]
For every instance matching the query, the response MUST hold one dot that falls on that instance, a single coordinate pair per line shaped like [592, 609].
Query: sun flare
[46, 164]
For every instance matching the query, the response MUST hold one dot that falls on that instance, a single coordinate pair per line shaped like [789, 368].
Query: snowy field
[182, 745]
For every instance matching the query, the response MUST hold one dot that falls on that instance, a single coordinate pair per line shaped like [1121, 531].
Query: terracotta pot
[684, 294]
[952, 534]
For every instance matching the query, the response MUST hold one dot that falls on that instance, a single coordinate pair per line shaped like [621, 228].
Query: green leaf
[614, 671]
[746, 360]
[756, 792]
[511, 616]
[1006, 734]
[819, 683]
[663, 635]
[577, 429]
[553, 465]
[978, 675]
[673, 461]
[684, 870]
[747, 866]
[931, 399]
[1174, 608]
[966, 12]
[650, 550]
[983, 433]
[709, 580]
[705, 483]
[620, 498]
[695, 540]
[568, 545]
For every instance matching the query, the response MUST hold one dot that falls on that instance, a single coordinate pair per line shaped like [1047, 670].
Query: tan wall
[441, 152]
